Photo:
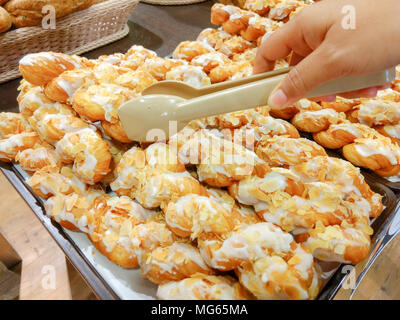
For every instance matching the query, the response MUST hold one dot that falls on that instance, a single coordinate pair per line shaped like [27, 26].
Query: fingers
[370, 92]
[312, 71]
[363, 93]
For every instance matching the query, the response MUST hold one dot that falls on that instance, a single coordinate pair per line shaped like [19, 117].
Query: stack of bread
[28, 13]
[235, 206]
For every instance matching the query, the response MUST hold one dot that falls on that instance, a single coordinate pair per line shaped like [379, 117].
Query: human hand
[324, 49]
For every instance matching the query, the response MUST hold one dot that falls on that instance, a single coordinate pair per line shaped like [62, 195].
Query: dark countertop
[159, 28]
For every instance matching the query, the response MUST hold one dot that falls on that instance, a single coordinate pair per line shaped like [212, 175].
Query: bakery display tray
[111, 282]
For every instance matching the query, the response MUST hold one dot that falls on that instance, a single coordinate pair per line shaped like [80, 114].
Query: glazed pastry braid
[173, 263]
[263, 255]
[316, 121]
[12, 123]
[11, 146]
[341, 173]
[193, 215]
[192, 75]
[34, 98]
[157, 188]
[188, 50]
[379, 155]
[376, 112]
[339, 135]
[280, 151]
[88, 152]
[39, 157]
[74, 212]
[203, 287]
[158, 67]
[50, 181]
[276, 9]
[101, 102]
[63, 87]
[157, 156]
[341, 104]
[390, 131]
[220, 162]
[116, 217]
[290, 111]
[343, 244]
[282, 199]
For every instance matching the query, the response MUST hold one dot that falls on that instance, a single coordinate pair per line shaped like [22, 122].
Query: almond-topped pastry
[158, 67]
[52, 126]
[260, 7]
[233, 206]
[221, 13]
[263, 248]
[88, 152]
[203, 287]
[63, 87]
[235, 45]
[50, 181]
[187, 50]
[34, 98]
[344, 244]
[32, 160]
[282, 151]
[209, 61]
[158, 188]
[213, 37]
[376, 112]
[114, 221]
[237, 21]
[101, 102]
[9, 147]
[315, 121]
[136, 161]
[173, 263]
[220, 162]
[74, 212]
[299, 106]
[284, 9]
[136, 56]
[193, 215]
[379, 155]
[391, 131]
[340, 134]
[193, 75]
[12, 123]
[136, 81]
[259, 27]
[341, 104]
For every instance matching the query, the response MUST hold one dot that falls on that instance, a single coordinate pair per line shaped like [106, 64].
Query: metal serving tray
[110, 282]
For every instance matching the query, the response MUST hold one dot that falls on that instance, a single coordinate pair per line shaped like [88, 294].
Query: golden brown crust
[5, 20]
[27, 13]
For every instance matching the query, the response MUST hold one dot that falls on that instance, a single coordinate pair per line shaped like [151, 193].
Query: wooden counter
[159, 28]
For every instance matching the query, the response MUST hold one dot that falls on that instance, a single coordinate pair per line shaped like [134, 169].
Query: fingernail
[277, 99]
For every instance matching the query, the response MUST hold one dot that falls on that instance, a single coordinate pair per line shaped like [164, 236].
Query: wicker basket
[172, 2]
[76, 33]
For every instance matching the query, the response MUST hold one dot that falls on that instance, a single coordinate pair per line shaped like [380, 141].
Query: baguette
[27, 13]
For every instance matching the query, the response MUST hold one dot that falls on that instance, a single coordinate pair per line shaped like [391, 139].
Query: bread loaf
[26, 13]
[5, 20]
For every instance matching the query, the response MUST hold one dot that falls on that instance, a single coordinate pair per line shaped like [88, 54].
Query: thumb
[314, 70]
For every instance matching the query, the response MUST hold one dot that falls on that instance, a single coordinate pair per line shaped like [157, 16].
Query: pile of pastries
[235, 206]
[28, 13]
